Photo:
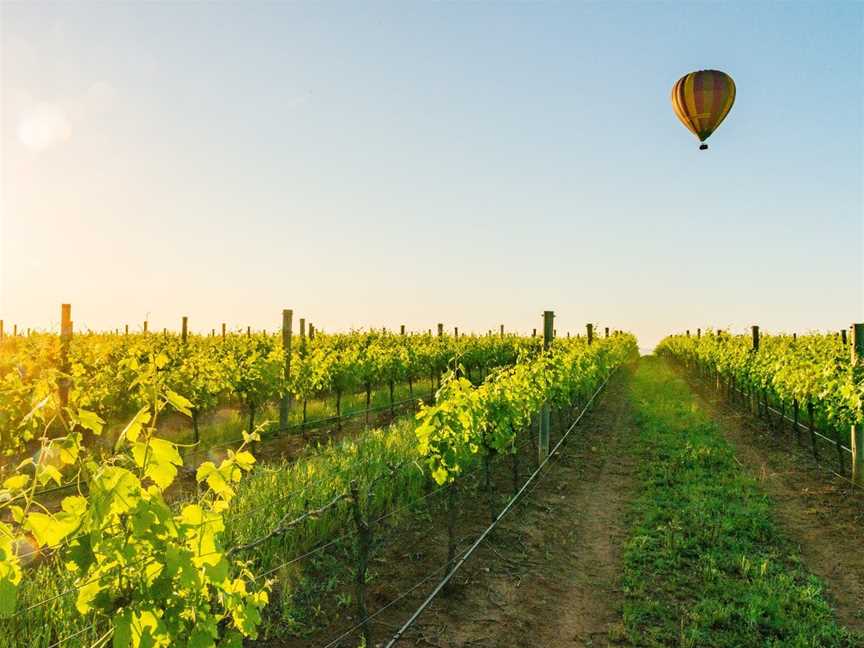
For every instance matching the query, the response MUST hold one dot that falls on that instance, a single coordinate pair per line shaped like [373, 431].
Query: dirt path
[816, 509]
[550, 576]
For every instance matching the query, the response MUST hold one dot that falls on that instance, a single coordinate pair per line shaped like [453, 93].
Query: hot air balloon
[701, 100]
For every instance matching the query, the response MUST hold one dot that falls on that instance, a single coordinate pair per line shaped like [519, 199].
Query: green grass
[705, 565]
[227, 423]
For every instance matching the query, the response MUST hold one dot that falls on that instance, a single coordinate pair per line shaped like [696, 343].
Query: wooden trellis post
[857, 350]
[303, 335]
[589, 328]
[545, 413]
[65, 339]
[754, 398]
[440, 330]
[285, 402]
[184, 331]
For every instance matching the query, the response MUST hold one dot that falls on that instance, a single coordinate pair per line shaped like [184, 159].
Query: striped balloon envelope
[701, 100]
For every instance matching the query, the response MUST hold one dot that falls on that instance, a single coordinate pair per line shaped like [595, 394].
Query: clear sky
[387, 163]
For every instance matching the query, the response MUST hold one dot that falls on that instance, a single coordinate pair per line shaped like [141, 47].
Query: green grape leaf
[180, 403]
[201, 638]
[204, 471]
[245, 460]
[90, 421]
[50, 530]
[87, 595]
[46, 473]
[133, 429]
[159, 459]
[16, 482]
[122, 629]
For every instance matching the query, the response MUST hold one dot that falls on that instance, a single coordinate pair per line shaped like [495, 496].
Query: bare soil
[818, 509]
[549, 575]
[558, 584]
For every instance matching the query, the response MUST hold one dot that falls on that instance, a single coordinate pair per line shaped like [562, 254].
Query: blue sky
[388, 163]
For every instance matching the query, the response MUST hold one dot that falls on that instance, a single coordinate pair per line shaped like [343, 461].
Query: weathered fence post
[857, 350]
[545, 413]
[754, 398]
[184, 329]
[285, 402]
[796, 412]
[590, 331]
[65, 339]
[305, 399]
[440, 330]
[812, 425]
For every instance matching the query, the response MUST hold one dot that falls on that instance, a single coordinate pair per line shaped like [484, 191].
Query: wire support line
[275, 432]
[270, 434]
[801, 426]
[377, 612]
[443, 583]
[235, 548]
[63, 640]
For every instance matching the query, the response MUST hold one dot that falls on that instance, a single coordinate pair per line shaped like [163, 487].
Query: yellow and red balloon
[701, 100]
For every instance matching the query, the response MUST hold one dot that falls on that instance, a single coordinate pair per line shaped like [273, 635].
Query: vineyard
[252, 373]
[789, 379]
[99, 545]
[122, 561]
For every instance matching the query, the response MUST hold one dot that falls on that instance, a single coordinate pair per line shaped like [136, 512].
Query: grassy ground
[226, 423]
[705, 564]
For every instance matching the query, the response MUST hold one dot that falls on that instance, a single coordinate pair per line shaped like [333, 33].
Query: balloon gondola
[701, 100]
